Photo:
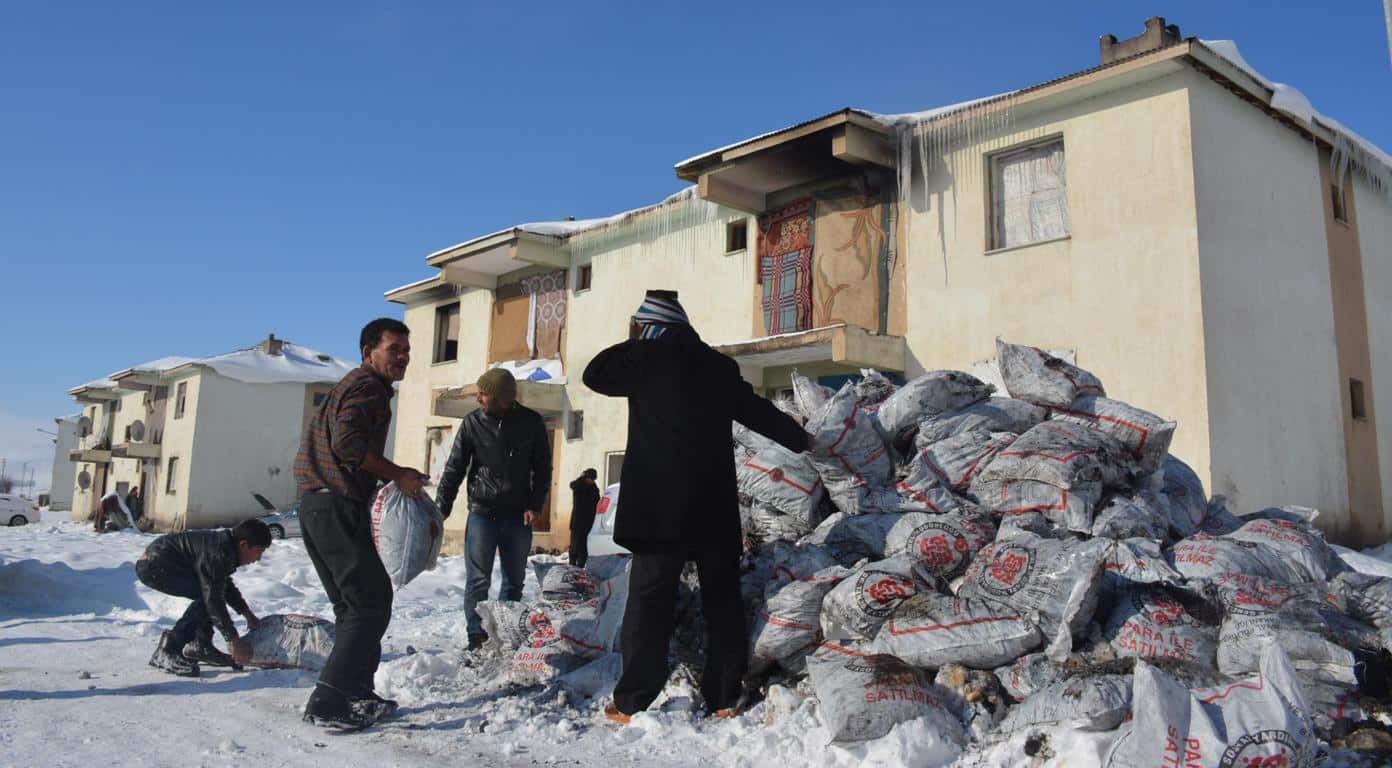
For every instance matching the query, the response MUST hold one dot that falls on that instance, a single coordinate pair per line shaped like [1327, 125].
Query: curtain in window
[785, 268]
[1030, 203]
[548, 312]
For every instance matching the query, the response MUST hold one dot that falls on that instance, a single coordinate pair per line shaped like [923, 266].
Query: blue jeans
[483, 537]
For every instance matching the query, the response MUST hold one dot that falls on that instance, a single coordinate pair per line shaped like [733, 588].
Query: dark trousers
[579, 540]
[485, 536]
[177, 581]
[648, 621]
[337, 534]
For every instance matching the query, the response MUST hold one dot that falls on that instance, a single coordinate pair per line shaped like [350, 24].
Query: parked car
[17, 510]
[601, 539]
[282, 523]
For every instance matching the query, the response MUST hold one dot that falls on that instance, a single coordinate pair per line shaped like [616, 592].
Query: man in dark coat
[584, 497]
[340, 462]
[504, 451]
[678, 501]
[199, 565]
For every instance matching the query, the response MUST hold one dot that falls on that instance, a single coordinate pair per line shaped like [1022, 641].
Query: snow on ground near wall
[76, 629]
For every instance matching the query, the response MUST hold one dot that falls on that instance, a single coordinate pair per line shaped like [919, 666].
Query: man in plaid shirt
[337, 469]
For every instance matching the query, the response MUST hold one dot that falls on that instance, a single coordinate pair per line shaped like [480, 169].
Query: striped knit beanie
[659, 311]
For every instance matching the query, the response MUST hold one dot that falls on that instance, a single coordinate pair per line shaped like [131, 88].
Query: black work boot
[168, 658]
[202, 650]
[328, 708]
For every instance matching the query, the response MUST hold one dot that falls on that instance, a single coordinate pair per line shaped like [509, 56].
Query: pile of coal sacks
[994, 564]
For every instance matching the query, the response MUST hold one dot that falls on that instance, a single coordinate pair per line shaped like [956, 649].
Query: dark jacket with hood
[678, 491]
[507, 463]
[212, 556]
[584, 498]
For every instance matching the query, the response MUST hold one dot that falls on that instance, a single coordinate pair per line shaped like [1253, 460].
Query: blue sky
[182, 178]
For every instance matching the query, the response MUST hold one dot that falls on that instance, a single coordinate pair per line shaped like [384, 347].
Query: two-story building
[200, 435]
[1200, 237]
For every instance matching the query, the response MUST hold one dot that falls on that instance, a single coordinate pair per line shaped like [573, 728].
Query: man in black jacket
[678, 502]
[199, 565]
[584, 497]
[504, 451]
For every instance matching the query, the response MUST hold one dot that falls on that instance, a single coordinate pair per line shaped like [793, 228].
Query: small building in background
[60, 493]
[199, 436]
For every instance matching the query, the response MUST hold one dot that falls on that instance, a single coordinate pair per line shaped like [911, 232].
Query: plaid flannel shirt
[351, 424]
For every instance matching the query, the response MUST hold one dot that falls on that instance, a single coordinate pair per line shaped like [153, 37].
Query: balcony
[479, 262]
[547, 399]
[845, 346]
[746, 175]
[134, 450]
[90, 455]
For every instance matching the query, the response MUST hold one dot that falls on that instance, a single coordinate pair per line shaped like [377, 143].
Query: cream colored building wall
[246, 438]
[414, 394]
[170, 508]
[1122, 290]
[1375, 243]
[1276, 428]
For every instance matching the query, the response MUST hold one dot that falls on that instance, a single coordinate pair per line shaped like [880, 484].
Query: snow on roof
[159, 365]
[295, 364]
[913, 118]
[1291, 101]
[423, 281]
[570, 228]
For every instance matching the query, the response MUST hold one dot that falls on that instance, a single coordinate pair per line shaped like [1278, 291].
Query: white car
[17, 510]
[601, 539]
[282, 523]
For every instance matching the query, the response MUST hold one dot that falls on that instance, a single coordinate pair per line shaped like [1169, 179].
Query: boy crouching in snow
[199, 565]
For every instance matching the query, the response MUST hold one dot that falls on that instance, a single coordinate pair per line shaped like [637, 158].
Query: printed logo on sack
[536, 627]
[939, 546]
[1259, 600]
[776, 474]
[1263, 749]
[878, 592]
[1008, 571]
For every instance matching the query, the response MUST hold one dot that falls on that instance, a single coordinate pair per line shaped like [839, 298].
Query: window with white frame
[1029, 203]
[613, 468]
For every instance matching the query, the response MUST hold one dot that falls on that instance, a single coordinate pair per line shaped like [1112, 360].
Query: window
[128, 433]
[736, 235]
[1028, 195]
[613, 467]
[447, 333]
[575, 428]
[180, 393]
[1340, 204]
[583, 275]
[116, 405]
[1357, 407]
[169, 478]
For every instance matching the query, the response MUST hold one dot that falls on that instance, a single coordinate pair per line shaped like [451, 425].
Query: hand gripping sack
[926, 396]
[1092, 703]
[407, 531]
[995, 414]
[291, 640]
[943, 545]
[1256, 722]
[848, 453]
[862, 697]
[855, 608]
[929, 630]
[1037, 376]
[1144, 434]
[1053, 581]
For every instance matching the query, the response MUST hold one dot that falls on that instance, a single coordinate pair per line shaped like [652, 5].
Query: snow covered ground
[76, 630]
